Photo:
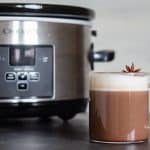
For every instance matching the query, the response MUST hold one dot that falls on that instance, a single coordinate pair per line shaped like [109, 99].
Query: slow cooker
[45, 57]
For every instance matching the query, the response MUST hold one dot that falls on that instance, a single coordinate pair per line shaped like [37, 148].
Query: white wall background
[123, 25]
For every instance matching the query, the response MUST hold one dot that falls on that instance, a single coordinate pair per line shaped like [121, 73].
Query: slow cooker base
[64, 109]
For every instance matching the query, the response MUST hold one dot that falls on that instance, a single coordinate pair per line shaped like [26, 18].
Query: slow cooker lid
[45, 10]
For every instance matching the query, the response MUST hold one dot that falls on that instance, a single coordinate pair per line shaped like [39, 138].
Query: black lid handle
[100, 56]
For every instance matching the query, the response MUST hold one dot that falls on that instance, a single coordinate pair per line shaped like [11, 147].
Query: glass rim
[123, 73]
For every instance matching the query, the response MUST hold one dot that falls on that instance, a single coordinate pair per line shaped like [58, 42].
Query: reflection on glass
[22, 56]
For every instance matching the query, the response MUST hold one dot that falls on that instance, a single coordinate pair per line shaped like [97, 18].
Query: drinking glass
[119, 107]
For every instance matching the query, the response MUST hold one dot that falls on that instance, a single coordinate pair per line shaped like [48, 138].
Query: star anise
[131, 69]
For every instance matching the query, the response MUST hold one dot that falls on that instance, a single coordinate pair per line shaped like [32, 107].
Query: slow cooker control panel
[26, 71]
[22, 79]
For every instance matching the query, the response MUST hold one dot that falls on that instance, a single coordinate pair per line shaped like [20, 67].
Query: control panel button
[22, 76]
[10, 76]
[34, 76]
[23, 86]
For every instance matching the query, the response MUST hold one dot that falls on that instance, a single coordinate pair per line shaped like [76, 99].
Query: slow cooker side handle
[100, 56]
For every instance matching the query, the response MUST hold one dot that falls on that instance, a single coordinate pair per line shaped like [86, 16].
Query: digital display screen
[22, 56]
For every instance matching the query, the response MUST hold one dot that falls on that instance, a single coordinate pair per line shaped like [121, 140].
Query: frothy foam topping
[119, 82]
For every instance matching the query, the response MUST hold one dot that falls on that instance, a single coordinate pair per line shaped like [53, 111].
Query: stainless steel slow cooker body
[70, 44]
[59, 37]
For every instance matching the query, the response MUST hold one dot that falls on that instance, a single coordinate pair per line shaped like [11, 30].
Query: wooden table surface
[53, 134]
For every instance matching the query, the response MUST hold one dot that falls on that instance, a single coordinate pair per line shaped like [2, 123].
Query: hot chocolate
[119, 108]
